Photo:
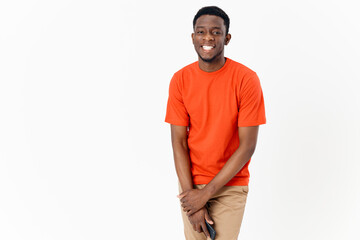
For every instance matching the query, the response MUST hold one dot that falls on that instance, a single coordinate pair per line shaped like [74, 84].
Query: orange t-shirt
[214, 105]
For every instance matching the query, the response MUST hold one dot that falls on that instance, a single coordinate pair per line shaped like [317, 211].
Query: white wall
[84, 150]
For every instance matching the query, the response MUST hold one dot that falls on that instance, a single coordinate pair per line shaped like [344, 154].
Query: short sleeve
[176, 112]
[252, 107]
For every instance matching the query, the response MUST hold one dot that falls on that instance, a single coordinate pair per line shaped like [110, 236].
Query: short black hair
[216, 11]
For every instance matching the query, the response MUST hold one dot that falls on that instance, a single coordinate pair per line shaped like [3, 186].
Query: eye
[216, 33]
[200, 32]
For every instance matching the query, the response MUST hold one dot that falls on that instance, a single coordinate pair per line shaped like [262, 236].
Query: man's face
[209, 37]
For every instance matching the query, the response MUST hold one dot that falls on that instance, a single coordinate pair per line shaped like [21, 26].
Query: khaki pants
[226, 209]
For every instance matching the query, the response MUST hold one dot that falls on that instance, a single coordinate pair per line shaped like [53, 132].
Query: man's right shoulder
[188, 68]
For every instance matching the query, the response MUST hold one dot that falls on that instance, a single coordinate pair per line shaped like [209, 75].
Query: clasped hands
[193, 200]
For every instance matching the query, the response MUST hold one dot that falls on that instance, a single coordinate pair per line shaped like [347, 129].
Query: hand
[192, 200]
[197, 221]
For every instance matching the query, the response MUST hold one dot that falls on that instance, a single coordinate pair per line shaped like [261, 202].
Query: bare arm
[183, 170]
[181, 156]
[195, 199]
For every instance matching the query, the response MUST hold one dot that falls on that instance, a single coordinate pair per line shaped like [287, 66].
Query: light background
[84, 149]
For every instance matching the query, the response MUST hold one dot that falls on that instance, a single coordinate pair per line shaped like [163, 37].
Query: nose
[208, 37]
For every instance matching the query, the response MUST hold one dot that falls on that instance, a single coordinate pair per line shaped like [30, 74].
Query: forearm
[234, 164]
[183, 165]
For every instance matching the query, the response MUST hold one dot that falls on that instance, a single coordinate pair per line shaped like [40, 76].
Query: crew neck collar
[227, 62]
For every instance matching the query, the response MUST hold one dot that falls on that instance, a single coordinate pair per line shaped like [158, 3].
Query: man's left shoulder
[239, 67]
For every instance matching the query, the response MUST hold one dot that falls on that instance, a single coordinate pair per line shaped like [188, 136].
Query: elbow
[251, 150]
[248, 149]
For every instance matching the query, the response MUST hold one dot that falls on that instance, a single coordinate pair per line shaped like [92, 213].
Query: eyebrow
[210, 27]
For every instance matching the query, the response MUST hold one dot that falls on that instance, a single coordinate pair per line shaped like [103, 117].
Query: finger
[191, 222]
[194, 226]
[189, 211]
[208, 218]
[205, 230]
[181, 195]
[198, 228]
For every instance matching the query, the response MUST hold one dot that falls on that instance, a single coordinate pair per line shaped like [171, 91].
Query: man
[215, 107]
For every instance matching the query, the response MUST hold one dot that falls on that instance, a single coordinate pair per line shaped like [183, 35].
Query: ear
[227, 38]
[192, 37]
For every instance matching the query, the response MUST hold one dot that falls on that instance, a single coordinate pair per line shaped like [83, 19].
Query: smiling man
[215, 107]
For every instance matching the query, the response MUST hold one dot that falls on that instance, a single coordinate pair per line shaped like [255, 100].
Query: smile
[207, 48]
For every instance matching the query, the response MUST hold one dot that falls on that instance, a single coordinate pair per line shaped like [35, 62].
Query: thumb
[181, 195]
[208, 218]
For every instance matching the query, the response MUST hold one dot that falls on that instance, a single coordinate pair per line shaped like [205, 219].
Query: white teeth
[207, 47]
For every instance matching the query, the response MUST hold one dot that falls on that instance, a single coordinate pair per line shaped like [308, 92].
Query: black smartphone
[211, 230]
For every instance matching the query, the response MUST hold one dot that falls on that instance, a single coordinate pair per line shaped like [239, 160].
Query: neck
[212, 66]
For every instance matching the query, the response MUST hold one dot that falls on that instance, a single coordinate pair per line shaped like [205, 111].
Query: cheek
[197, 43]
[220, 44]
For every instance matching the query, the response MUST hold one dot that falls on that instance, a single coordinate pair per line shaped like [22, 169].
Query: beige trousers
[226, 208]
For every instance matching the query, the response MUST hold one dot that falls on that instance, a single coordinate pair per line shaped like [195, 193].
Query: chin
[208, 60]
